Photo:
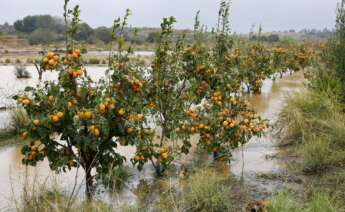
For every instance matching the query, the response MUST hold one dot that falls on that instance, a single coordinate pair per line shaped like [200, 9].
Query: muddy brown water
[249, 163]
[255, 163]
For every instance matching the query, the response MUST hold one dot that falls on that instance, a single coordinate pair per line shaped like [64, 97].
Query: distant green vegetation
[45, 29]
[266, 38]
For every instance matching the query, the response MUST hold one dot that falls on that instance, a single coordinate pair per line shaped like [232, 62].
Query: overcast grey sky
[272, 14]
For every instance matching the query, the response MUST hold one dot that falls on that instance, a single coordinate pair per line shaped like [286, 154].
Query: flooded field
[256, 153]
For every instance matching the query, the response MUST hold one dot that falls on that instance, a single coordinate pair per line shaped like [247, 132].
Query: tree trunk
[215, 155]
[159, 170]
[89, 184]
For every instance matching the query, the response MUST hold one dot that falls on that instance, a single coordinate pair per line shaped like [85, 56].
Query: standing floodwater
[252, 162]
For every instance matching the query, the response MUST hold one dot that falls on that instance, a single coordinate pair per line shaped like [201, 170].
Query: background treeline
[46, 29]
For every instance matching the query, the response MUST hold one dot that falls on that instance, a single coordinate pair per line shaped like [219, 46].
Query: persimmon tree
[76, 122]
[279, 60]
[304, 56]
[224, 119]
[168, 97]
[256, 67]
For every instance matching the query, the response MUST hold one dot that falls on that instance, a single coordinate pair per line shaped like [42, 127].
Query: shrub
[7, 61]
[18, 61]
[42, 36]
[94, 61]
[29, 60]
[325, 81]
[21, 72]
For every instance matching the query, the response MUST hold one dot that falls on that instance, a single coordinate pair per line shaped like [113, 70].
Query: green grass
[282, 202]
[313, 123]
[286, 202]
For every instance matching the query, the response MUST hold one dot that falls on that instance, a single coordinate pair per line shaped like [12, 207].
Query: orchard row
[189, 89]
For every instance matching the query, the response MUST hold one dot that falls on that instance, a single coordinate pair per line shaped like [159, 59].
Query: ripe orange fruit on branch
[56, 58]
[71, 71]
[50, 98]
[77, 51]
[111, 106]
[121, 112]
[60, 114]
[80, 115]
[30, 157]
[33, 148]
[88, 115]
[50, 55]
[24, 135]
[26, 102]
[139, 117]
[36, 122]
[92, 128]
[51, 62]
[55, 118]
[101, 108]
[165, 155]
[96, 132]
[129, 130]
[74, 55]
[136, 85]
